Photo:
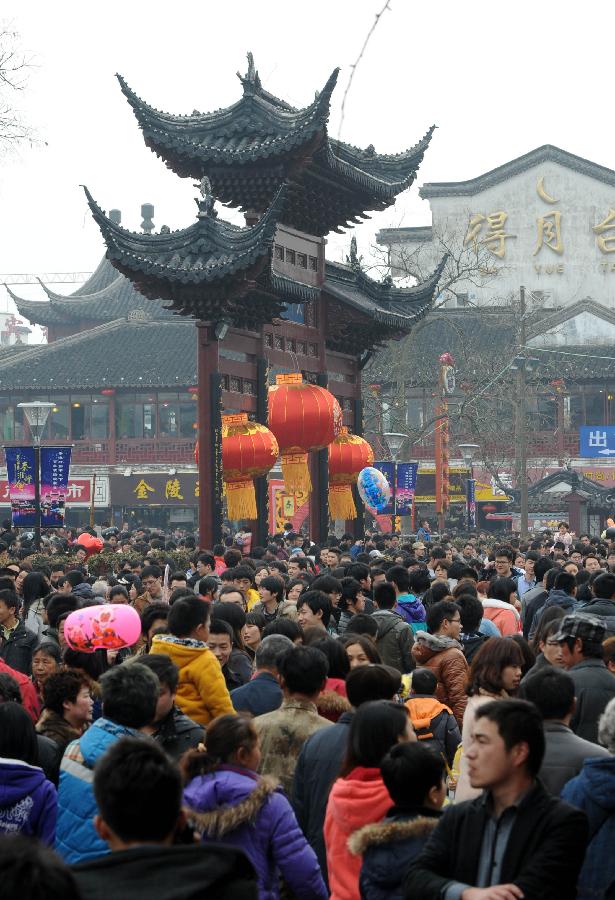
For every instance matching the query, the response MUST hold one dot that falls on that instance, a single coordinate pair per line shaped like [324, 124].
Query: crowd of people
[383, 718]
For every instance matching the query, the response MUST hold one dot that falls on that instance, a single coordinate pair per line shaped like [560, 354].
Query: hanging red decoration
[249, 450]
[348, 454]
[303, 417]
[196, 453]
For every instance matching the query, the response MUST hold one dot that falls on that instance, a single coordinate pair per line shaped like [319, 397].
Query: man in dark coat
[263, 693]
[320, 759]
[174, 731]
[515, 836]
[17, 643]
[580, 637]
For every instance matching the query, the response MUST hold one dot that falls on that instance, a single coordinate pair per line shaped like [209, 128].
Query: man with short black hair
[552, 692]
[321, 756]
[439, 649]
[151, 579]
[395, 638]
[515, 841]
[603, 589]
[173, 730]
[581, 637]
[139, 796]
[303, 672]
[129, 697]
[263, 694]
[314, 610]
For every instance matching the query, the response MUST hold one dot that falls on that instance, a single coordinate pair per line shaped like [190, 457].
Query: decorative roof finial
[147, 211]
[354, 260]
[251, 80]
[206, 204]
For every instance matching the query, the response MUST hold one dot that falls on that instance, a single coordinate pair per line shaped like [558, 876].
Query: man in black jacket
[320, 759]
[174, 731]
[17, 643]
[514, 842]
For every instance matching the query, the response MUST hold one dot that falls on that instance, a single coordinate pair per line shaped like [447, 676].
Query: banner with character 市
[55, 465]
[20, 476]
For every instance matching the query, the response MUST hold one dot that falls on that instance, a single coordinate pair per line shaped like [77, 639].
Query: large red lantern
[249, 450]
[303, 417]
[348, 454]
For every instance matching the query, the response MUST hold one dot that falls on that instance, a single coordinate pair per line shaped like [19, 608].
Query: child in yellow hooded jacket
[201, 693]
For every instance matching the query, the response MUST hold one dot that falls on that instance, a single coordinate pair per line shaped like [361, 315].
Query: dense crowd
[384, 718]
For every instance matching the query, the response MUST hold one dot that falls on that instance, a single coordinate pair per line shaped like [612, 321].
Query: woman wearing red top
[359, 796]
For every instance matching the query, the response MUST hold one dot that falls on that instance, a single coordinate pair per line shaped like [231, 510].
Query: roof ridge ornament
[353, 259]
[206, 204]
[251, 80]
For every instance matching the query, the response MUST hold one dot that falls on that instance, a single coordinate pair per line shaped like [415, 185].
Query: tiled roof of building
[125, 353]
[252, 147]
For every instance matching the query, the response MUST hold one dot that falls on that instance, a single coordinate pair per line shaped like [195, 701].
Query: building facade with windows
[544, 221]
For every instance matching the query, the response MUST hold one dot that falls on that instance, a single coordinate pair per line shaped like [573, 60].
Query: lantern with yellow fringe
[249, 450]
[303, 417]
[348, 454]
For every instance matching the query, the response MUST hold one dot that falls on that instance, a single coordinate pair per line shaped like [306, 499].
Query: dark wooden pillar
[261, 485]
[112, 456]
[210, 438]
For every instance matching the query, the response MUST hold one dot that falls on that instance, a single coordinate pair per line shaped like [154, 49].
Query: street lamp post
[36, 414]
[395, 440]
[468, 451]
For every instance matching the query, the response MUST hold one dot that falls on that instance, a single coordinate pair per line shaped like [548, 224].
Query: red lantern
[303, 417]
[249, 450]
[348, 454]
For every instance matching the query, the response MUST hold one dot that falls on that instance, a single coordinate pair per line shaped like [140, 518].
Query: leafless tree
[15, 67]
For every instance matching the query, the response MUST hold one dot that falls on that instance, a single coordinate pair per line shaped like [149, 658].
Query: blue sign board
[406, 486]
[597, 441]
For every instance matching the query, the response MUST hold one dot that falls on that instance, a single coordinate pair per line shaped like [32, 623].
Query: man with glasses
[151, 579]
[439, 649]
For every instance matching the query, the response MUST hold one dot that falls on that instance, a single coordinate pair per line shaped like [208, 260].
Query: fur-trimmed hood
[331, 704]
[389, 831]
[223, 819]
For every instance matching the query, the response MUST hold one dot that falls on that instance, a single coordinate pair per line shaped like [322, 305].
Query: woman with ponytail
[228, 803]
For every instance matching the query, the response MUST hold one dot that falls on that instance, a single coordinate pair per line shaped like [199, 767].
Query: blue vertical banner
[55, 465]
[471, 502]
[20, 476]
[406, 486]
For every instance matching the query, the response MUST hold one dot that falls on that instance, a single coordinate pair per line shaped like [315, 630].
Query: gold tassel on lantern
[240, 500]
[341, 502]
[296, 473]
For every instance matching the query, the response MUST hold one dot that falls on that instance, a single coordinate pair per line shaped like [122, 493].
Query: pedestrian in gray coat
[552, 691]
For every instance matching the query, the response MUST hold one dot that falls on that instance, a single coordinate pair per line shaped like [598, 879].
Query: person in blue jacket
[129, 698]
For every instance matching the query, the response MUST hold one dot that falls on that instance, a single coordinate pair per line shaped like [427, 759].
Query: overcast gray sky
[498, 79]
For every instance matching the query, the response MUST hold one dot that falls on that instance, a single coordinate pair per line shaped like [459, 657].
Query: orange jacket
[357, 800]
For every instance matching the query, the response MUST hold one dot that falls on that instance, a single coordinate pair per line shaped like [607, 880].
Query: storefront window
[99, 412]
[168, 415]
[594, 408]
[59, 419]
[573, 412]
[135, 417]
[187, 415]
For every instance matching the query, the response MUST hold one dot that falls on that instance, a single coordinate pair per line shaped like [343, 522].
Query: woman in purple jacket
[230, 804]
[28, 801]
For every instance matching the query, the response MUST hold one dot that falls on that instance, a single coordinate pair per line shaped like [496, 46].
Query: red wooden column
[210, 438]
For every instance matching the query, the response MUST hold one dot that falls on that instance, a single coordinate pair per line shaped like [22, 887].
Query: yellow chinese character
[172, 489]
[606, 242]
[495, 238]
[599, 476]
[197, 492]
[549, 232]
[141, 490]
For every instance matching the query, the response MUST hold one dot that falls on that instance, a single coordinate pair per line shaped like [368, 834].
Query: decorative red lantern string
[303, 417]
[249, 450]
[348, 454]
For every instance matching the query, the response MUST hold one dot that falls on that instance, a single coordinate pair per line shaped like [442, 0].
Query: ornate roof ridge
[545, 153]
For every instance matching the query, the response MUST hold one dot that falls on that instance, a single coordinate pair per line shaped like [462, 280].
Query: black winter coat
[18, 649]
[177, 733]
[543, 856]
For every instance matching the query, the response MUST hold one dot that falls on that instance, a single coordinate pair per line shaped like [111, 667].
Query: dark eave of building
[132, 352]
[115, 298]
[396, 307]
[249, 149]
[546, 153]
